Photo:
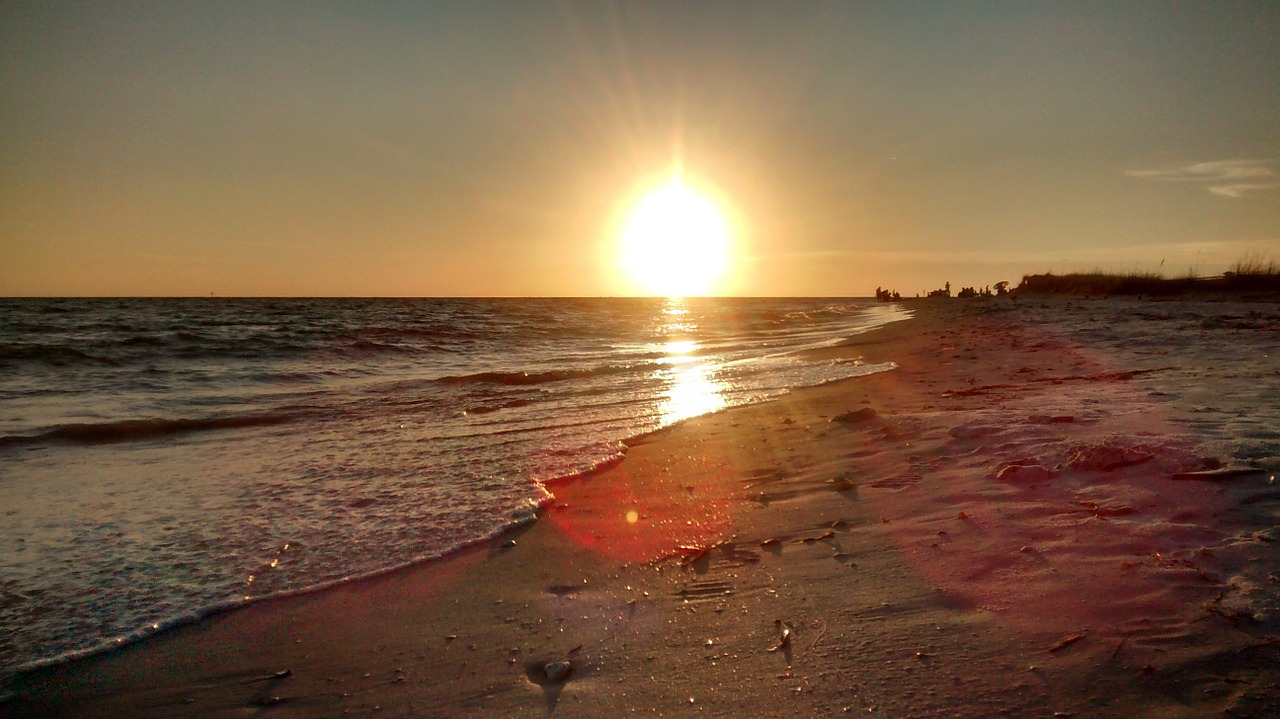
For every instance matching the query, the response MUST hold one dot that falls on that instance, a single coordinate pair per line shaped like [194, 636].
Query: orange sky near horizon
[496, 149]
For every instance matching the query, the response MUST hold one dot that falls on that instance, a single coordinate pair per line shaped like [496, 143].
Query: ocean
[164, 459]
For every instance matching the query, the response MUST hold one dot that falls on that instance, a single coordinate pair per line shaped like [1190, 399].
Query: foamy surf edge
[518, 517]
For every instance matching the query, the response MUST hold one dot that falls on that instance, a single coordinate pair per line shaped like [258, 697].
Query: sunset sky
[497, 148]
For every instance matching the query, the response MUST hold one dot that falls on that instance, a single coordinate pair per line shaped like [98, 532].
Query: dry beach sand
[1006, 525]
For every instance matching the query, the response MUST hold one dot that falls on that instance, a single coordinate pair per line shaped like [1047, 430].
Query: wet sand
[994, 528]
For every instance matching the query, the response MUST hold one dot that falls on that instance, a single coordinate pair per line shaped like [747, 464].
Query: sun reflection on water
[691, 386]
[693, 391]
[679, 352]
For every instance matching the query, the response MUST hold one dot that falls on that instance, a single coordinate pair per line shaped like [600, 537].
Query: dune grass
[1249, 276]
[1255, 266]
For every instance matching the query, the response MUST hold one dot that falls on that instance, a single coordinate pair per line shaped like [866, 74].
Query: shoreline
[515, 520]
[906, 577]
[142, 635]
[179, 498]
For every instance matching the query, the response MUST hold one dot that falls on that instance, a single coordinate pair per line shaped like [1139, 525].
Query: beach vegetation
[1253, 265]
[1249, 277]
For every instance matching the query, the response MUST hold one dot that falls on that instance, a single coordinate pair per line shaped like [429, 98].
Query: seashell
[559, 670]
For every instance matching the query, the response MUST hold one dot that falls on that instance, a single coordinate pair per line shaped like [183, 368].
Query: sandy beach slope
[1006, 525]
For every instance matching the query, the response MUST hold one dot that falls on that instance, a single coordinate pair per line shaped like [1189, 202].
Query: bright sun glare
[676, 243]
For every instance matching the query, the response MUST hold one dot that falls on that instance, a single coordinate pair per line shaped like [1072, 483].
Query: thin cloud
[1220, 177]
[1239, 190]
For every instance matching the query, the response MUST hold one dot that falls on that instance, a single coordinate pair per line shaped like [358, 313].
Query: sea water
[161, 459]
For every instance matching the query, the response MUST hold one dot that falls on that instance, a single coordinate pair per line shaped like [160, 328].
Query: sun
[676, 243]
